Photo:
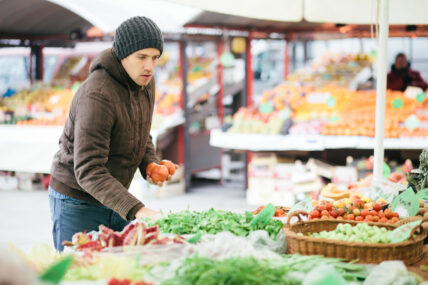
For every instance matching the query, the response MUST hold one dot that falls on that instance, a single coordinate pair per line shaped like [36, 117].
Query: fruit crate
[409, 251]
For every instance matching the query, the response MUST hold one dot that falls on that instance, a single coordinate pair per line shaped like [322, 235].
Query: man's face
[401, 62]
[141, 64]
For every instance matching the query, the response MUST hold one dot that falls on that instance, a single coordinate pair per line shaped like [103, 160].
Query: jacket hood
[108, 61]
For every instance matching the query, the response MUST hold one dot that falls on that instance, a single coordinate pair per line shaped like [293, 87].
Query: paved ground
[25, 216]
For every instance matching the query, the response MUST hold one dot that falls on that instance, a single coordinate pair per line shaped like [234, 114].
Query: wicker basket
[410, 251]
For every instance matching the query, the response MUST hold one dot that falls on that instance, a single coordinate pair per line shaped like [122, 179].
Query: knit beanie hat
[136, 33]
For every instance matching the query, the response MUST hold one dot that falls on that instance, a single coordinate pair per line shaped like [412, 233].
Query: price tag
[397, 103]
[412, 122]
[406, 204]
[386, 170]
[227, 59]
[423, 195]
[420, 97]
[317, 97]
[331, 102]
[334, 119]
[304, 205]
[75, 86]
[266, 108]
[403, 232]
[265, 215]
[285, 114]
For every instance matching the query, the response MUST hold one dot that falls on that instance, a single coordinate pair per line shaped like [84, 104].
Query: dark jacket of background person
[402, 76]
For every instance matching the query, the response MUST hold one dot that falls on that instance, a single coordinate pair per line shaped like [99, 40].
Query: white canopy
[107, 15]
[324, 11]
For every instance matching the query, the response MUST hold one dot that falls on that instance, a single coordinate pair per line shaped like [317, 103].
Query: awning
[35, 19]
[38, 18]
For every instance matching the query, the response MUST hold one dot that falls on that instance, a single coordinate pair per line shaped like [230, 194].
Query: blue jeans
[70, 215]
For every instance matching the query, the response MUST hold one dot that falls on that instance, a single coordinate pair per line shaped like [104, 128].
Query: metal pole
[381, 88]
[187, 159]
[286, 60]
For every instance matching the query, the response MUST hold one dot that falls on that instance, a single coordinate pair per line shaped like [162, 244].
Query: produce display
[199, 270]
[40, 105]
[115, 281]
[331, 110]
[279, 211]
[331, 68]
[358, 208]
[318, 100]
[133, 234]
[215, 221]
[359, 233]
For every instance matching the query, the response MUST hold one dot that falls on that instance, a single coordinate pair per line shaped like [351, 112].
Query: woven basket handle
[412, 233]
[295, 214]
[407, 220]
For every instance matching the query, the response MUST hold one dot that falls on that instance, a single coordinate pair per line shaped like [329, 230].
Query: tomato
[365, 213]
[315, 214]
[394, 220]
[350, 217]
[383, 220]
[388, 214]
[375, 218]
[324, 213]
[377, 207]
[279, 212]
[329, 206]
[260, 208]
[359, 218]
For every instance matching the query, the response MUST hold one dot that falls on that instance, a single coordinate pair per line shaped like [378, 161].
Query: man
[107, 137]
[402, 75]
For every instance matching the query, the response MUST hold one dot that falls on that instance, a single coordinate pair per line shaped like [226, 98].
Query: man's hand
[170, 166]
[150, 180]
[147, 213]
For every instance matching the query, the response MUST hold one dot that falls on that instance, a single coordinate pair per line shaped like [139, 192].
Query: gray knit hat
[136, 33]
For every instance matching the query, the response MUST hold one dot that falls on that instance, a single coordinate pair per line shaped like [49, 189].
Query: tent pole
[381, 88]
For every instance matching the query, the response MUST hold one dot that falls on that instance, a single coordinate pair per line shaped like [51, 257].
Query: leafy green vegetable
[248, 270]
[195, 238]
[56, 272]
[265, 215]
[215, 221]
[201, 270]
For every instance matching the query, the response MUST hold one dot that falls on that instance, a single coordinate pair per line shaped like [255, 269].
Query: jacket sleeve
[150, 154]
[418, 81]
[95, 118]
[149, 157]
